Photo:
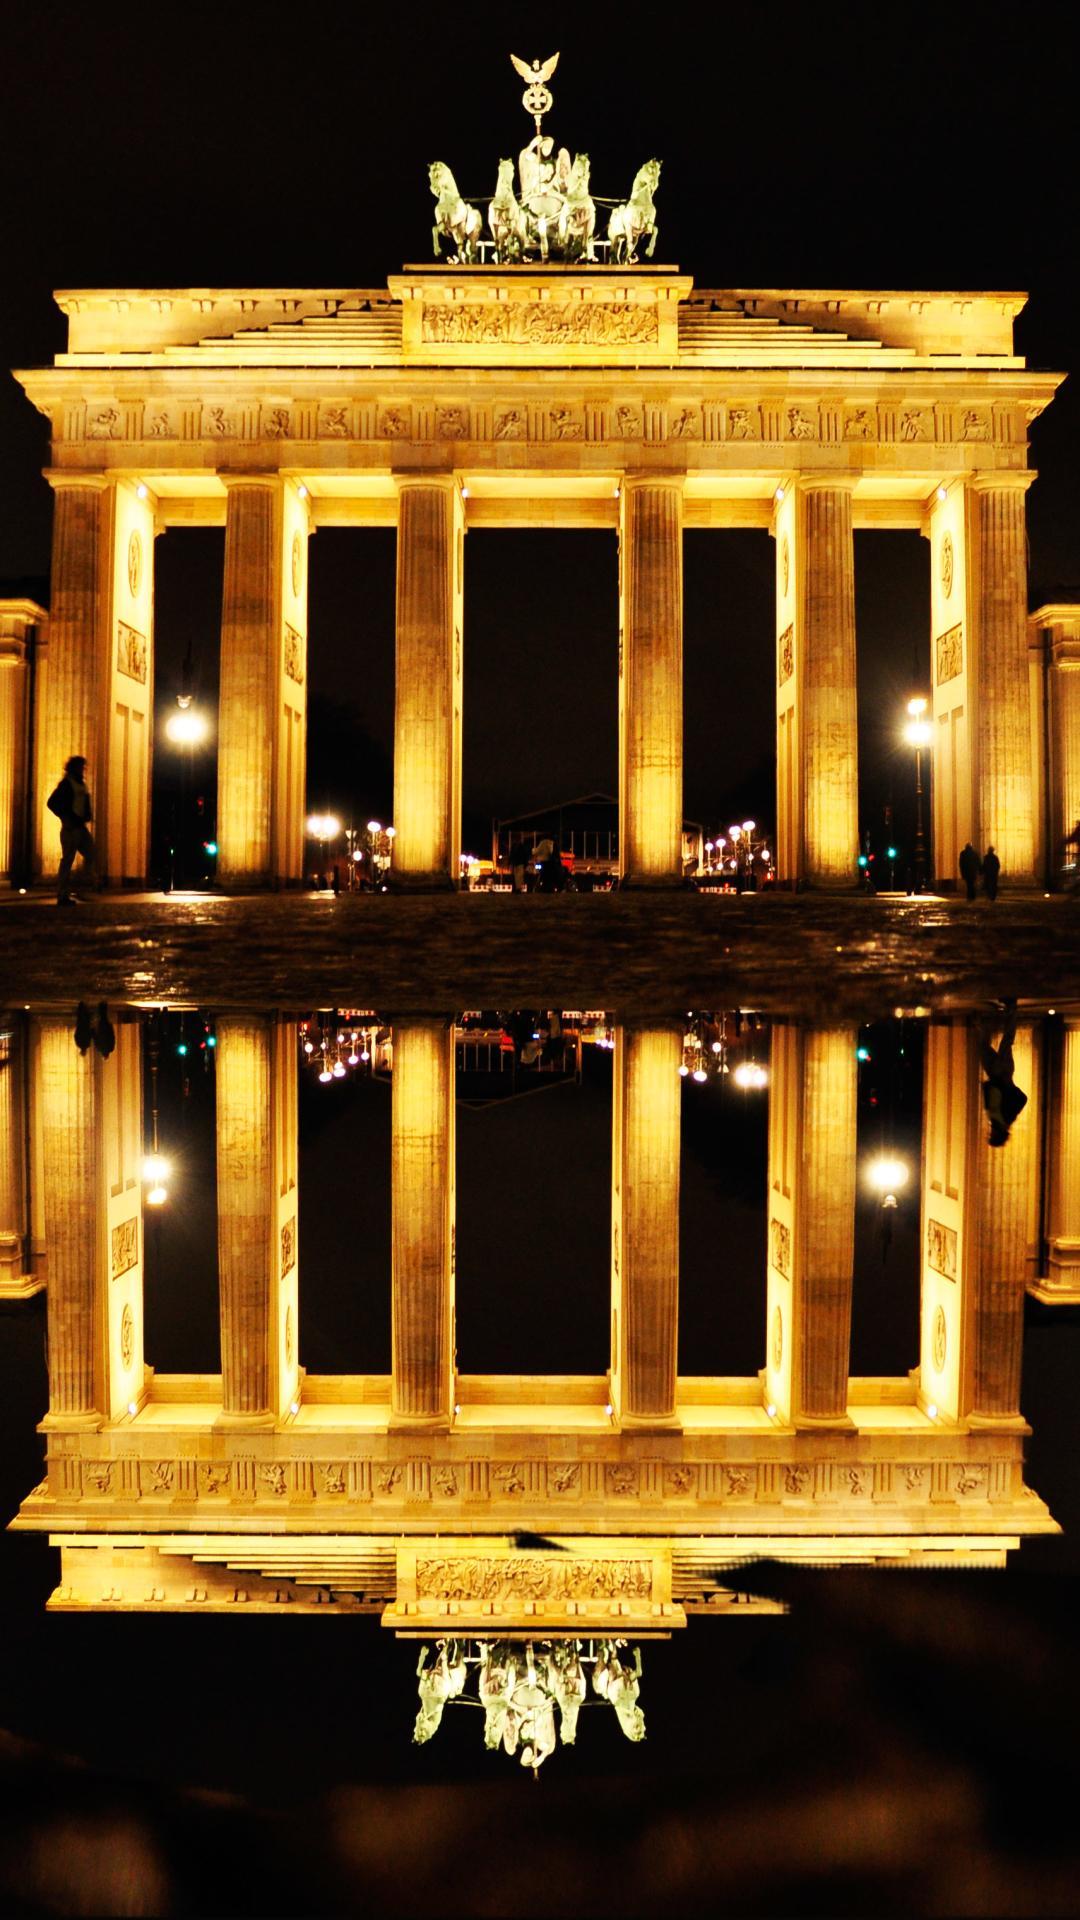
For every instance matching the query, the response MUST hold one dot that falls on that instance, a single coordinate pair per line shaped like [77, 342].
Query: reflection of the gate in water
[248, 1486]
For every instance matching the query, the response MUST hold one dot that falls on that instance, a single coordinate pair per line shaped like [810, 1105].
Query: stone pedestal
[422, 1198]
[817, 709]
[811, 1224]
[650, 681]
[257, 1225]
[646, 1133]
[427, 687]
[262, 706]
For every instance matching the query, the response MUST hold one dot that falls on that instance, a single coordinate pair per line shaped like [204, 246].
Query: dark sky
[239, 146]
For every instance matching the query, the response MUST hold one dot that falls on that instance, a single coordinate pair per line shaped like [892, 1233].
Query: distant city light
[323, 826]
[750, 1074]
[887, 1174]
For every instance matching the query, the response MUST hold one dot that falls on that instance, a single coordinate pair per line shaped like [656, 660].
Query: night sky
[243, 149]
[888, 1746]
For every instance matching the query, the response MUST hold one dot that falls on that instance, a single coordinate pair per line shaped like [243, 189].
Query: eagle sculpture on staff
[536, 74]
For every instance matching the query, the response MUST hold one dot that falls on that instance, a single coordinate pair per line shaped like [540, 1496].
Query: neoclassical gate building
[617, 398]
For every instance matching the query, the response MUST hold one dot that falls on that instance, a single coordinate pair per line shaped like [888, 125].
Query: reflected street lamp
[918, 734]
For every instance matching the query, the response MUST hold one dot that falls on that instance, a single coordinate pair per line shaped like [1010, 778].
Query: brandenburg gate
[616, 397]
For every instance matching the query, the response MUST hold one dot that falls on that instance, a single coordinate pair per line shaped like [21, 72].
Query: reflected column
[91, 1174]
[17, 1282]
[422, 1206]
[811, 1229]
[646, 1137]
[1062, 1281]
[257, 1226]
[975, 1221]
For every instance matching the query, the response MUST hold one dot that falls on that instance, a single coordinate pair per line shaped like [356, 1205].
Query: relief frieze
[941, 1249]
[539, 323]
[130, 652]
[125, 1246]
[785, 668]
[949, 655]
[534, 1577]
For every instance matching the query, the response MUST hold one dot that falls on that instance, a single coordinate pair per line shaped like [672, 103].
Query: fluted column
[427, 682]
[825, 1229]
[76, 1246]
[811, 1223]
[246, 715]
[997, 1293]
[1063, 688]
[14, 716]
[422, 1192]
[71, 712]
[647, 1121]
[825, 664]
[248, 1265]
[651, 681]
[1062, 1280]
[17, 1281]
[997, 598]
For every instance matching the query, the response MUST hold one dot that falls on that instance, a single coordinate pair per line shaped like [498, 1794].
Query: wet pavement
[636, 954]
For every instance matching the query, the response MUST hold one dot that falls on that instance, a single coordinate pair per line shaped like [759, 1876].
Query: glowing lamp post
[187, 729]
[888, 1176]
[323, 827]
[918, 734]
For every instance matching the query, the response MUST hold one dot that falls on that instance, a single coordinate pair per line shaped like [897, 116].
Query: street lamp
[324, 827]
[187, 728]
[918, 733]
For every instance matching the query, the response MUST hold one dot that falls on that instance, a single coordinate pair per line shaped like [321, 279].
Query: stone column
[16, 618]
[811, 1224]
[256, 1218]
[261, 714]
[650, 681]
[17, 1281]
[71, 710]
[1063, 690]
[647, 1121]
[77, 1275]
[422, 1194]
[427, 683]
[1062, 1280]
[825, 665]
[997, 603]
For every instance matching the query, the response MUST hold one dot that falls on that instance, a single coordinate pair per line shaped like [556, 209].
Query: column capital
[638, 479]
[61, 477]
[991, 481]
[439, 479]
[232, 480]
[844, 482]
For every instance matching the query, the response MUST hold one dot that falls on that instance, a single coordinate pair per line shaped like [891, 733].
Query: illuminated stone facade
[619, 399]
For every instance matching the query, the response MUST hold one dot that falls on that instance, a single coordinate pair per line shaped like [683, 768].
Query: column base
[1049, 1293]
[997, 1423]
[823, 1423]
[414, 1422]
[71, 1423]
[22, 1286]
[649, 1423]
[251, 1422]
